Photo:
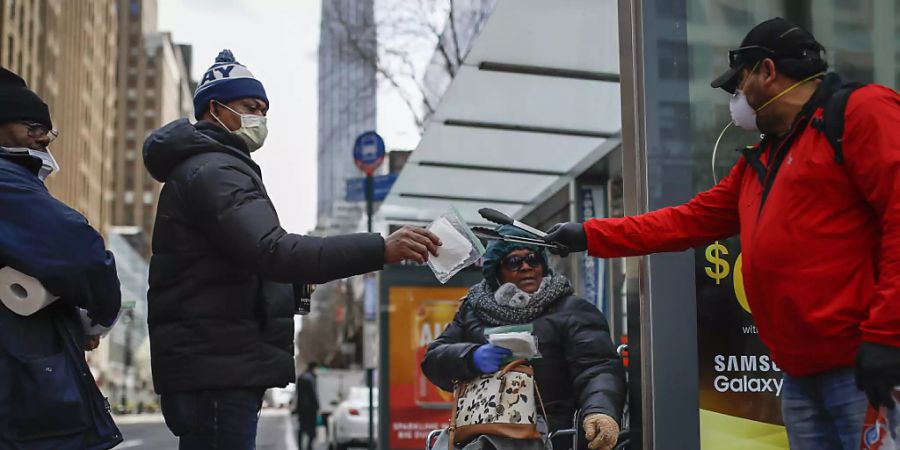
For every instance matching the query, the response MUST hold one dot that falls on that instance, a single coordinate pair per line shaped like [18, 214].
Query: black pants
[309, 431]
[221, 419]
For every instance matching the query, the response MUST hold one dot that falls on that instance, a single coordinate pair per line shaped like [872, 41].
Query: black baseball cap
[776, 39]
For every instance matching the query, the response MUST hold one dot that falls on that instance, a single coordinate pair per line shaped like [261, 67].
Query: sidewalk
[130, 419]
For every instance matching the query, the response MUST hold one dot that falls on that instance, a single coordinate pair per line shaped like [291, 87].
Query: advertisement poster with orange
[418, 315]
[740, 385]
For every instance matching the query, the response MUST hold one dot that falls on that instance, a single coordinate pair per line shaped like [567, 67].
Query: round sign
[368, 152]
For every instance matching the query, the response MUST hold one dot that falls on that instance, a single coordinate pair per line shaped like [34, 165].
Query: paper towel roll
[21, 293]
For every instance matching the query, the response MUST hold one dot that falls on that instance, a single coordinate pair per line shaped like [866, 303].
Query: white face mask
[48, 162]
[253, 130]
[742, 114]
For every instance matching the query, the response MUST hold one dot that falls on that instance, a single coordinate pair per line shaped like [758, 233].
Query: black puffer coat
[219, 316]
[579, 368]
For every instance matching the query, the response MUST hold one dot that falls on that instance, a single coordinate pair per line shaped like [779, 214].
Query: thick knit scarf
[489, 310]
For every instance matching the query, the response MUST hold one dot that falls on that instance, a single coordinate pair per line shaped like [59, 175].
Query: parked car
[348, 425]
[333, 386]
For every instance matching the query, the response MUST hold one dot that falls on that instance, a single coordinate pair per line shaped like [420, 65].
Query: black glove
[570, 235]
[877, 372]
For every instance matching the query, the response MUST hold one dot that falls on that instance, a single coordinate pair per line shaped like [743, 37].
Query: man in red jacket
[820, 234]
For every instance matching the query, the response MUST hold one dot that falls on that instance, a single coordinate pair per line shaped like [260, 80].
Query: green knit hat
[497, 250]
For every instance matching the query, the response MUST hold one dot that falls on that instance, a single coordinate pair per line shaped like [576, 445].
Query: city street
[276, 432]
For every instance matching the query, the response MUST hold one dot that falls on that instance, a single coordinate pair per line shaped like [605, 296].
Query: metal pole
[370, 380]
[127, 357]
[370, 194]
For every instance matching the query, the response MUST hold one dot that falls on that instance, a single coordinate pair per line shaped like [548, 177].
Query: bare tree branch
[454, 34]
[409, 27]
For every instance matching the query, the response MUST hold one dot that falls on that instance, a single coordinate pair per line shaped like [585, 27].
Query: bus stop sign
[368, 152]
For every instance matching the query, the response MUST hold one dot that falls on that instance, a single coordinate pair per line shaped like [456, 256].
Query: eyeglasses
[735, 59]
[514, 262]
[38, 130]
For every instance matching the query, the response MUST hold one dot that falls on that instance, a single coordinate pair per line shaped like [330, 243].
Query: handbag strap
[510, 367]
[537, 391]
[459, 389]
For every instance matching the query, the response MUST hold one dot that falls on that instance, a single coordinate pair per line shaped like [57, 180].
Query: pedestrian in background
[221, 300]
[48, 398]
[817, 207]
[307, 406]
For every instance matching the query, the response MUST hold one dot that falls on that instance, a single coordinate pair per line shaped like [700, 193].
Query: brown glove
[601, 431]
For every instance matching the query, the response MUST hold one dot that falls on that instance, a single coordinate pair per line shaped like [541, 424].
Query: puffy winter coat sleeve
[598, 376]
[233, 209]
[447, 358]
[872, 155]
[710, 215]
[45, 239]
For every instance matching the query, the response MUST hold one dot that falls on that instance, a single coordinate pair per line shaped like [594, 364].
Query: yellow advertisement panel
[418, 315]
[740, 385]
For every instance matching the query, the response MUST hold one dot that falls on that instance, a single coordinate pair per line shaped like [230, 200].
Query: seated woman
[578, 369]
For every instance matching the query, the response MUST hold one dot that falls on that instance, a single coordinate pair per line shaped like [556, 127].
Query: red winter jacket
[821, 255]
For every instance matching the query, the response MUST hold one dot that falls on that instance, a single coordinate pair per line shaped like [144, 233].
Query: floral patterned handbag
[498, 404]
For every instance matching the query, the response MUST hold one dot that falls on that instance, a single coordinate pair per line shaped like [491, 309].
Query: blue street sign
[356, 188]
[368, 152]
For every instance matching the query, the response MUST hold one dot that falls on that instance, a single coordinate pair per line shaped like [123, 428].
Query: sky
[278, 42]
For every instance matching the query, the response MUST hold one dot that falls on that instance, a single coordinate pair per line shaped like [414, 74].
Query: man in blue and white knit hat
[223, 272]
[229, 87]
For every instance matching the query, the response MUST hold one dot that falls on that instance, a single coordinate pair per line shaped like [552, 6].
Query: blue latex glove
[488, 357]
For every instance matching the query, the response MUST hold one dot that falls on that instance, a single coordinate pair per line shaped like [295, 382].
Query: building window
[130, 155]
[670, 65]
[148, 198]
[128, 197]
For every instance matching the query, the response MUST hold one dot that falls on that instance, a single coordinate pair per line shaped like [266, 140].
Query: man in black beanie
[48, 399]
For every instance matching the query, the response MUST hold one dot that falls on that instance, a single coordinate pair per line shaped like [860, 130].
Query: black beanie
[17, 102]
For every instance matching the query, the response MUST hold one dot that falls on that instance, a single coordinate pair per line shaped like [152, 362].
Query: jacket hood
[180, 140]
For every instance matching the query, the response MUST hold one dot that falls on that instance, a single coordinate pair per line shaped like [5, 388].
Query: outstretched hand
[570, 235]
[410, 243]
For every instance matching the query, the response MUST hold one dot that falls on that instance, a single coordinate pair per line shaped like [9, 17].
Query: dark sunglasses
[736, 56]
[514, 262]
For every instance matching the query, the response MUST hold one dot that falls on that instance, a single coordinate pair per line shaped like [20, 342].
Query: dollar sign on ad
[720, 268]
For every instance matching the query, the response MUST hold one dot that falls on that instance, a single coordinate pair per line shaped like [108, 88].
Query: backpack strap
[751, 154]
[832, 122]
